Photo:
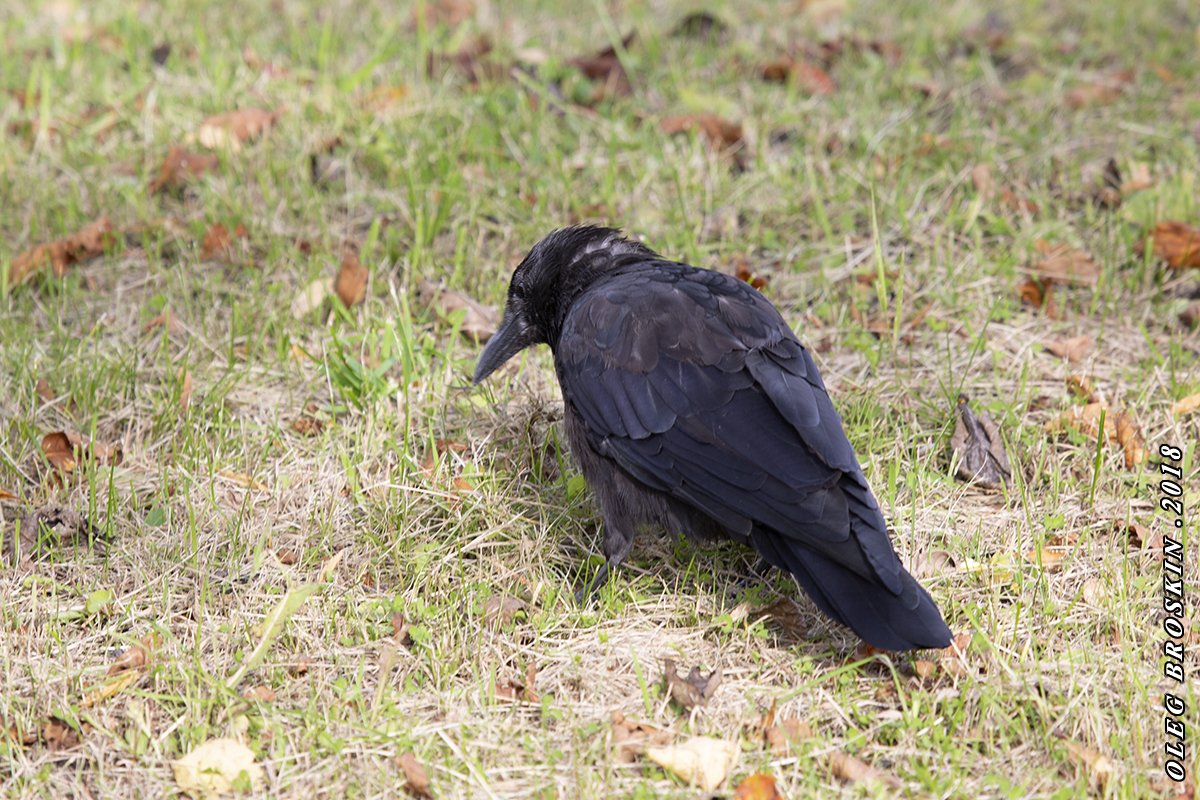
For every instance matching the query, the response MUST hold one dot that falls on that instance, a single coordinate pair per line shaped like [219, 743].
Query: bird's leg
[617, 545]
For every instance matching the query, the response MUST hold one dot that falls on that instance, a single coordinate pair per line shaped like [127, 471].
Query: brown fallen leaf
[165, 319]
[855, 770]
[784, 612]
[49, 528]
[701, 761]
[1062, 263]
[42, 387]
[64, 450]
[415, 778]
[515, 690]
[1039, 294]
[351, 282]
[1138, 536]
[1081, 386]
[468, 61]
[180, 167]
[759, 786]
[259, 694]
[743, 272]
[976, 441]
[981, 177]
[695, 689]
[1176, 243]
[58, 735]
[231, 129]
[501, 610]
[803, 74]
[85, 244]
[479, 320]
[717, 131]
[1186, 405]
[1119, 428]
[1018, 203]
[1100, 91]
[6, 496]
[218, 242]
[778, 732]
[606, 68]
[134, 657]
[307, 426]
[185, 390]
[450, 13]
[630, 739]
[1074, 349]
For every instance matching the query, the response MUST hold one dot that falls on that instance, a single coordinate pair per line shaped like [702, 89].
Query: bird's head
[547, 281]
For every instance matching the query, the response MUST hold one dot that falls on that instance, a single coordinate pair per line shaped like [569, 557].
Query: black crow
[690, 404]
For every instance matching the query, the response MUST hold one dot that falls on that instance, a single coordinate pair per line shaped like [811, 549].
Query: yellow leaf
[701, 761]
[213, 768]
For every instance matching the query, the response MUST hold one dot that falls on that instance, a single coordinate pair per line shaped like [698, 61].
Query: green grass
[435, 496]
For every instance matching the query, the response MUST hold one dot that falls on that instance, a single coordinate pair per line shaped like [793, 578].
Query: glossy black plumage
[690, 404]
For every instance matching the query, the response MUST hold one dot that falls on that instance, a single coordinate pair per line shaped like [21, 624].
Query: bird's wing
[692, 382]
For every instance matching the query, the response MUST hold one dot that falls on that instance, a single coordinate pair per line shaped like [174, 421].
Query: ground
[412, 543]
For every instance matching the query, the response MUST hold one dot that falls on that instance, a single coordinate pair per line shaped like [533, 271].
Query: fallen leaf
[260, 694]
[134, 657]
[181, 166]
[976, 441]
[381, 98]
[64, 450]
[1018, 203]
[1073, 349]
[743, 272]
[1139, 179]
[784, 612]
[517, 690]
[165, 319]
[1098, 767]
[1044, 557]
[502, 609]
[6, 495]
[242, 479]
[218, 242]
[110, 688]
[630, 739]
[606, 67]
[450, 13]
[479, 321]
[48, 528]
[468, 61]
[1039, 294]
[855, 770]
[58, 735]
[718, 131]
[231, 129]
[701, 761]
[311, 297]
[1119, 428]
[185, 390]
[778, 732]
[803, 74]
[307, 426]
[1081, 386]
[1064, 264]
[1176, 243]
[695, 689]
[85, 244]
[1100, 91]
[1138, 536]
[1186, 405]
[215, 767]
[981, 177]
[415, 778]
[351, 282]
[759, 786]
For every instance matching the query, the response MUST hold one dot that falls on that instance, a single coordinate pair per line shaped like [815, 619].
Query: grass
[420, 503]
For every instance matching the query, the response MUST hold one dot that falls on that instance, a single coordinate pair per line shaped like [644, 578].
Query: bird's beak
[513, 337]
